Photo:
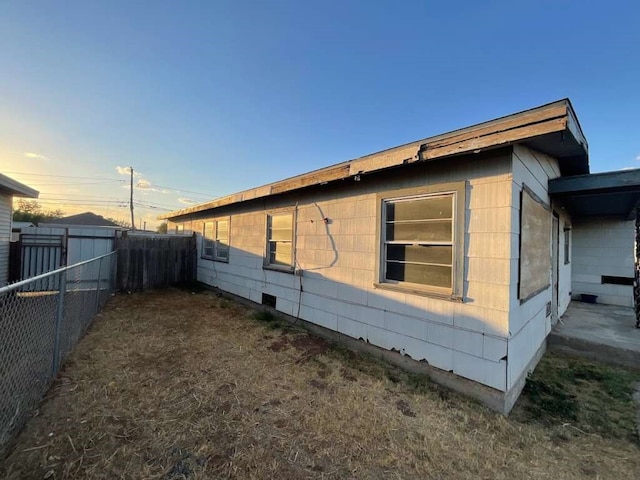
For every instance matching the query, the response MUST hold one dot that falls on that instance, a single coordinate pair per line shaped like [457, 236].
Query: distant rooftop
[86, 218]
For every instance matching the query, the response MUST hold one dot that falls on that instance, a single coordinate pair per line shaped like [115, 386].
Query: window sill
[274, 268]
[417, 291]
[212, 259]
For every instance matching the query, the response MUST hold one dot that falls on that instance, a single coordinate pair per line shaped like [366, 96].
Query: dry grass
[171, 385]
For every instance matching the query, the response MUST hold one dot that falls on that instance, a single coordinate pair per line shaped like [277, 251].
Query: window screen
[419, 240]
[280, 240]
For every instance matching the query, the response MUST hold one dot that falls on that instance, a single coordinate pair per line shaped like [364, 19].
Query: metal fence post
[59, 318]
[98, 285]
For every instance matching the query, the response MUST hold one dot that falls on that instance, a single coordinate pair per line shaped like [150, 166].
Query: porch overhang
[614, 194]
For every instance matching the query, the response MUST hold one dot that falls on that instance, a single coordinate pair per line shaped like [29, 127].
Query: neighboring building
[452, 250]
[86, 219]
[9, 188]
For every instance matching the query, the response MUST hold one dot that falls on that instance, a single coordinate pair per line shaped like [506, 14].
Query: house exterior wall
[338, 263]
[529, 324]
[5, 235]
[603, 246]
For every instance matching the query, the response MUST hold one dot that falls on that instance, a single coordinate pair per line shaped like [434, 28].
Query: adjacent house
[9, 188]
[459, 251]
[65, 241]
[86, 219]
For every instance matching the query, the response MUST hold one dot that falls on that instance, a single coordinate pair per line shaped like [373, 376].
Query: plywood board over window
[535, 245]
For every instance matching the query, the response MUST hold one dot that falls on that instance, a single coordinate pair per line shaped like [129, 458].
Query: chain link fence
[41, 320]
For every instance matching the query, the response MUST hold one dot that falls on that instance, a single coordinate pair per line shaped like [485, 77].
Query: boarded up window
[535, 245]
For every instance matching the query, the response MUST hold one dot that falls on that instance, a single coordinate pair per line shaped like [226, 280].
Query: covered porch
[604, 242]
[606, 333]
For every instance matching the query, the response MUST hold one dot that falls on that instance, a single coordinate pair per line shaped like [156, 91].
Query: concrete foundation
[495, 399]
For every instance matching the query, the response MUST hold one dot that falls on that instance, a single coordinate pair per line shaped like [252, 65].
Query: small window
[280, 240]
[567, 246]
[419, 246]
[215, 240]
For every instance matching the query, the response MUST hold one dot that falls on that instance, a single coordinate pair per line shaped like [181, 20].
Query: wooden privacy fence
[146, 262]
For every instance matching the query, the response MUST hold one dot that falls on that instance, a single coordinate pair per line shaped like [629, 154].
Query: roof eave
[554, 122]
[17, 189]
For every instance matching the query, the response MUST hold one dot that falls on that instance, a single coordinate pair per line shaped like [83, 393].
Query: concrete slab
[602, 332]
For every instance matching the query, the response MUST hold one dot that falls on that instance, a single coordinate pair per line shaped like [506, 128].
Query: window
[421, 247]
[215, 240]
[567, 245]
[280, 240]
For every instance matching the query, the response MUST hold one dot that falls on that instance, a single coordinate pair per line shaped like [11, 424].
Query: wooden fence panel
[153, 262]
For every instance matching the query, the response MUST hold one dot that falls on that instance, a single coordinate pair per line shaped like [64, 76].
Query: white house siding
[529, 324]
[5, 235]
[603, 246]
[338, 261]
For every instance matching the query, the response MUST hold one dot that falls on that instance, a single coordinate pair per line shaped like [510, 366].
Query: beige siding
[528, 322]
[338, 263]
[5, 236]
[603, 246]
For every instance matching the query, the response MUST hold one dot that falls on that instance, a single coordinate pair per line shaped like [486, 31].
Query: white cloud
[186, 201]
[143, 184]
[638, 158]
[146, 186]
[127, 171]
[36, 156]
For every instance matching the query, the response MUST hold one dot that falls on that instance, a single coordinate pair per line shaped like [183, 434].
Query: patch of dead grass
[170, 385]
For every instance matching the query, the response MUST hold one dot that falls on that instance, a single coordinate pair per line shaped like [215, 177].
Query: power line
[151, 202]
[77, 200]
[61, 176]
[154, 207]
[105, 182]
[80, 202]
[181, 190]
[76, 195]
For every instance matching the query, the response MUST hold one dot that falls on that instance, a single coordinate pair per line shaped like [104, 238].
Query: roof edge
[552, 117]
[16, 188]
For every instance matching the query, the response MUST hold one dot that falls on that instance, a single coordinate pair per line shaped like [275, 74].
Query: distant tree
[32, 211]
[120, 223]
[162, 228]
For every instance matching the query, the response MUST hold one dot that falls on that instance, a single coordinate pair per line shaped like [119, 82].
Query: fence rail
[41, 320]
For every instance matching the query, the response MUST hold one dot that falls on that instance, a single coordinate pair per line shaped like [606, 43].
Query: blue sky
[215, 97]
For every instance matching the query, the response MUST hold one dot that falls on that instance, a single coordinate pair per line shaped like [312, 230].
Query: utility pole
[133, 223]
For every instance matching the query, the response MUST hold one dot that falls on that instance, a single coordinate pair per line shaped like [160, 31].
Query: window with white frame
[280, 240]
[419, 247]
[215, 240]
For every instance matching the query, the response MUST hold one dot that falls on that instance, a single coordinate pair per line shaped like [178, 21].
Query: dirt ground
[173, 385]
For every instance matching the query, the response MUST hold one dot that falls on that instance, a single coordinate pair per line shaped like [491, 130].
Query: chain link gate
[41, 320]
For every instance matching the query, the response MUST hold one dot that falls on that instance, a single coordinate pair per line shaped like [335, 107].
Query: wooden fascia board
[494, 140]
[529, 118]
[574, 127]
[540, 121]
